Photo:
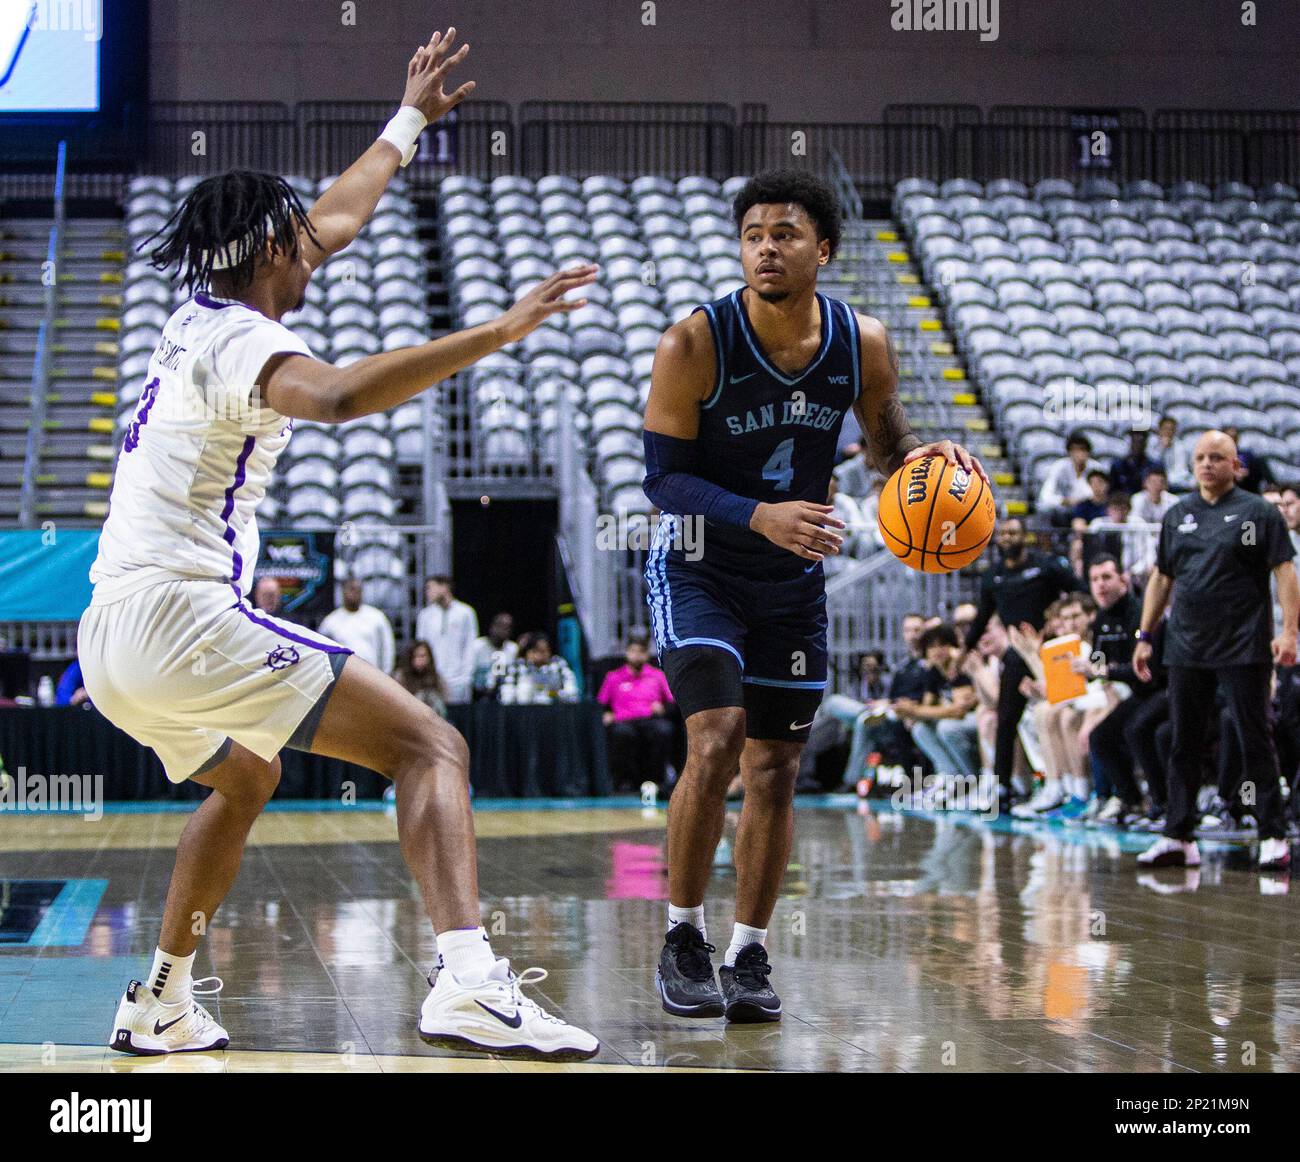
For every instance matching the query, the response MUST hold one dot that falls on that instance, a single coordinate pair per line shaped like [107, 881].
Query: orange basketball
[936, 516]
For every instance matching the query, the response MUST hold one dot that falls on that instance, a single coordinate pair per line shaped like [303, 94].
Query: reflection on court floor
[901, 942]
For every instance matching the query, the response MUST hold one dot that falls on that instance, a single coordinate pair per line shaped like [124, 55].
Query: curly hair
[793, 185]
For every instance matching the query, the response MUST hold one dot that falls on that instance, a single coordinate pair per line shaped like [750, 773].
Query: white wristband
[404, 130]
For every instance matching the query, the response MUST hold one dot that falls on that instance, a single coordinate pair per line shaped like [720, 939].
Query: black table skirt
[515, 752]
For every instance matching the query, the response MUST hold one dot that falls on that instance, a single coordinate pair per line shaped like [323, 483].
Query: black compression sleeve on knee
[703, 678]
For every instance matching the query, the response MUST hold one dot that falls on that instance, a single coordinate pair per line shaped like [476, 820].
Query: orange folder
[1061, 681]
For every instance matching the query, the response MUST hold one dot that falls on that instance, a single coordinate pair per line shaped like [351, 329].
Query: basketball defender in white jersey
[174, 655]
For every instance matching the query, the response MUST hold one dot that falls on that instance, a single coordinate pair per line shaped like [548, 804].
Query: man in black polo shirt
[1018, 589]
[1218, 547]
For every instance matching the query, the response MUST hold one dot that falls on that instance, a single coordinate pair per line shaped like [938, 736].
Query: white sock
[466, 954]
[742, 935]
[692, 916]
[171, 977]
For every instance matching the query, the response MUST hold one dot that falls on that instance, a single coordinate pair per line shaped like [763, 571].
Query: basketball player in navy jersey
[746, 402]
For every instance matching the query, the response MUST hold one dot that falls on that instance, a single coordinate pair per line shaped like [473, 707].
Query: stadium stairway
[875, 272]
[77, 442]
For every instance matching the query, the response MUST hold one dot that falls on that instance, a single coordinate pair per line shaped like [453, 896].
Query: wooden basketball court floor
[902, 942]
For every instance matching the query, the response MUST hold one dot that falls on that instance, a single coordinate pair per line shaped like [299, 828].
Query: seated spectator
[636, 699]
[492, 647]
[1160, 443]
[1066, 481]
[1290, 509]
[875, 725]
[418, 675]
[853, 474]
[1121, 545]
[873, 538]
[267, 596]
[365, 630]
[983, 665]
[1128, 472]
[871, 676]
[857, 533]
[1255, 471]
[1150, 505]
[1094, 504]
[942, 722]
[536, 676]
[70, 690]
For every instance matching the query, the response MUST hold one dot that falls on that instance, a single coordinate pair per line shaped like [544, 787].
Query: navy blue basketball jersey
[770, 436]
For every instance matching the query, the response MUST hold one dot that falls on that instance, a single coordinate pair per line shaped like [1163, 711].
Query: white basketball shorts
[186, 666]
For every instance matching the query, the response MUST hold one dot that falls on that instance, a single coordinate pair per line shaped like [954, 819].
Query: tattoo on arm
[892, 352]
[891, 436]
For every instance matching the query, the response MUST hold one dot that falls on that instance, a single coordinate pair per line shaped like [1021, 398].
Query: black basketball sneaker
[685, 974]
[749, 996]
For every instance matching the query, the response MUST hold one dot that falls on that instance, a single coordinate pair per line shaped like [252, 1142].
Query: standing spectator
[1018, 589]
[636, 699]
[1218, 549]
[418, 675]
[493, 647]
[536, 675]
[1291, 513]
[267, 597]
[365, 630]
[1066, 482]
[450, 627]
[1128, 472]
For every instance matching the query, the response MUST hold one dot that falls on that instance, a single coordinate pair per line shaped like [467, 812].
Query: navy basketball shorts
[727, 639]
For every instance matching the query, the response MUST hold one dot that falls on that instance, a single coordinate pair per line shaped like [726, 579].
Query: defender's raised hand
[544, 300]
[426, 72]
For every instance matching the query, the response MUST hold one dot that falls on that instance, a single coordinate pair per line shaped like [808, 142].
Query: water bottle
[45, 691]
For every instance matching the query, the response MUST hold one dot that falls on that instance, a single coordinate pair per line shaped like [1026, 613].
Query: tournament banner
[302, 561]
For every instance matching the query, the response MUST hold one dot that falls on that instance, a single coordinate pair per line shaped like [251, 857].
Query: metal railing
[41, 368]
[865, 605]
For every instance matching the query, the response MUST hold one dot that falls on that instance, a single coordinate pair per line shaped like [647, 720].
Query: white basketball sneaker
[496, 1017]
[146, 1027]
[1166, 852]
[1274, 854]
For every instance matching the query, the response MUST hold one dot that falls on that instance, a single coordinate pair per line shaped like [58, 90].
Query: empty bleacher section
[1099, 306]
[68, 290]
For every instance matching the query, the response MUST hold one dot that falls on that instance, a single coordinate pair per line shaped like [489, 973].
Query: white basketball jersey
[198, 456]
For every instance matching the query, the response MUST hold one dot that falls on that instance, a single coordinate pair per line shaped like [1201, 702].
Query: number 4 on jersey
[779, 466]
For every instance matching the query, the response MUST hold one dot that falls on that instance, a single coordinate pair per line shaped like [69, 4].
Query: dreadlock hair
[240, 207]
